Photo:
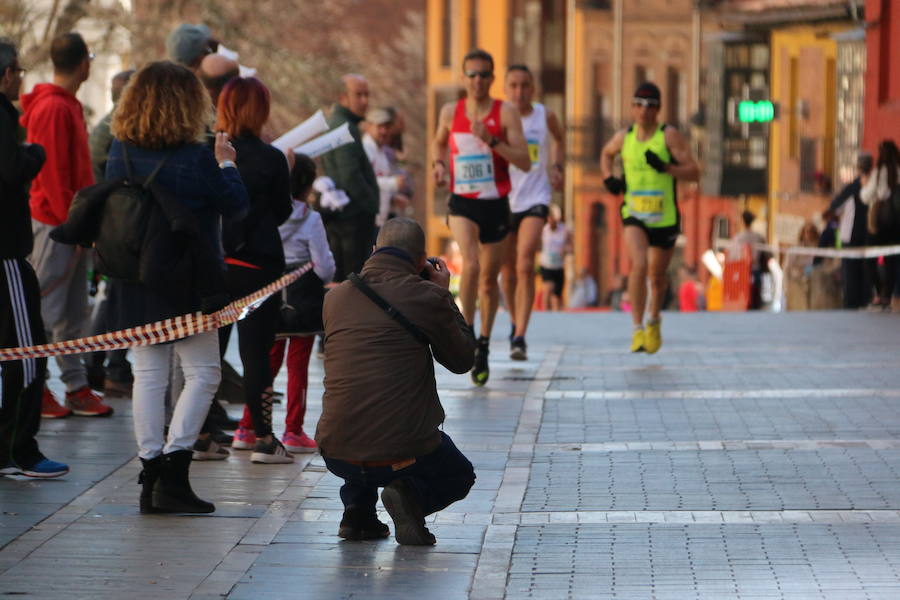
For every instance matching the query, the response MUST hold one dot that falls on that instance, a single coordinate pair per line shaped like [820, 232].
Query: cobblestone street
[756, 456]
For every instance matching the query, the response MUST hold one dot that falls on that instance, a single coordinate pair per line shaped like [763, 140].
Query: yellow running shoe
[637, 341]
[652, 338]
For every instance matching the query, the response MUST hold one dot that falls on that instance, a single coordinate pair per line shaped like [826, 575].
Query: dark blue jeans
[440, 478]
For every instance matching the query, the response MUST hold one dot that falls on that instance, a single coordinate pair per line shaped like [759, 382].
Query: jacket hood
[382, 265]
[40, 92]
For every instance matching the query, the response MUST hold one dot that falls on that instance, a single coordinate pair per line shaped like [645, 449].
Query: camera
[434, 263]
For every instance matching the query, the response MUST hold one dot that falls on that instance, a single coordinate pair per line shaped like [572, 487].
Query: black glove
[614, 185]
[655, 161]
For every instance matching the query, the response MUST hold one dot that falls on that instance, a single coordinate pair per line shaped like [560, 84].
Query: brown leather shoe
[116, 389]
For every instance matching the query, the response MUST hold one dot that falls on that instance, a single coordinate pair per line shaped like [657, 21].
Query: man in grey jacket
[351, 230]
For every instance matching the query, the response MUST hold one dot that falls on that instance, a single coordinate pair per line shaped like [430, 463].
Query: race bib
[470, 172]
[534, 152]
[646, 205]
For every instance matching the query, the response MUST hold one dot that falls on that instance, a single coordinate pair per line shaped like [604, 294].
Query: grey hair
[403, 233]
[8, 54]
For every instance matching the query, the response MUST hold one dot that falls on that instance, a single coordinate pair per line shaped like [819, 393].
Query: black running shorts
[557, 276]
[658, 237]
[491, 216]
[538, 210]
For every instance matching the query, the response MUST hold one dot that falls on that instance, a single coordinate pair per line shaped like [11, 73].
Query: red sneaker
[85, 403]
[50, 408]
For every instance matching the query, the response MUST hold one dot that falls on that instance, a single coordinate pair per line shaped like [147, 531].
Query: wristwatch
[494, 141]
[227, 163]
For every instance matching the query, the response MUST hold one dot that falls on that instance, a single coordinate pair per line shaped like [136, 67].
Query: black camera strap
[395, 314]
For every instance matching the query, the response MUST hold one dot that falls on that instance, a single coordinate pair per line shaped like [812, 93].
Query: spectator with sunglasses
[654, 156]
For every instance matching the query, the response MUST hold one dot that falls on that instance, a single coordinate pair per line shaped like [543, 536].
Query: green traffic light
[756, 112]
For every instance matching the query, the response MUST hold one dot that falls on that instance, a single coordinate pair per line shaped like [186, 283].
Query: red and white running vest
[476, 171]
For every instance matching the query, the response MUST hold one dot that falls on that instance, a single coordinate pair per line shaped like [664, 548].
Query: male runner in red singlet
[483, 137]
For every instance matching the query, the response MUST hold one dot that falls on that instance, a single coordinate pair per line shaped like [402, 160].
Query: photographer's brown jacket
[381, 400]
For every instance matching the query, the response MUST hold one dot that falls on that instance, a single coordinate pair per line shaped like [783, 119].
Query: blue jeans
[440, 478]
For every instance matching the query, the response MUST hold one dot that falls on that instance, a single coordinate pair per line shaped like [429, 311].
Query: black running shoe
[480, 371]
[518, 349]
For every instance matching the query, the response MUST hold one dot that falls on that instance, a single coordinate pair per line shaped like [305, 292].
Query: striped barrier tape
[168, 330]
[856, 252]
[862, 252]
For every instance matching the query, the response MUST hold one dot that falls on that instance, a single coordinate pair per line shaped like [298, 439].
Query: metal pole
[618, 34]
[572, 170]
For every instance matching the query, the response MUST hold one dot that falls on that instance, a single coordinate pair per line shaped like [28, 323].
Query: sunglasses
[645, 102]
[482, 74]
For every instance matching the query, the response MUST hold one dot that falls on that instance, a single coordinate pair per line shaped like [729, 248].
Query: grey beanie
[187, 43]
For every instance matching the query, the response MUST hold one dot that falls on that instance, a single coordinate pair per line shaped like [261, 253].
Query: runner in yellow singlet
[654, 155]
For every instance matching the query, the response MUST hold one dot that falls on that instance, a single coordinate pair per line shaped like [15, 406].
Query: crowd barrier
[168, 330]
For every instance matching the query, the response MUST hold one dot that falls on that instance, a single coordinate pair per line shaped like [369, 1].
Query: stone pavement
[757, 456]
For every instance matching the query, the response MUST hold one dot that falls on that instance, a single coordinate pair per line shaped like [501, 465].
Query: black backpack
[141, 233]
[301, 306]
[122, 231]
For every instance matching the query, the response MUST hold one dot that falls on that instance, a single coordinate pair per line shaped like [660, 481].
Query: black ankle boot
[362, 525]
[172, 492]
[147, 479]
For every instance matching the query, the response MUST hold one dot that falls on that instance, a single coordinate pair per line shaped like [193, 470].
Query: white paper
[326, 143]
[227, 53]
[246, 71]
[306, 130]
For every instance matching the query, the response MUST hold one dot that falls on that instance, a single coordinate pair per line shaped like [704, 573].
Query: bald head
[119, 81]
[354, 94]
[215, 72]
[403, 233]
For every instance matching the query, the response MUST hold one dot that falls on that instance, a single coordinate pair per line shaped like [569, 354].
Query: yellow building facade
[802, 172]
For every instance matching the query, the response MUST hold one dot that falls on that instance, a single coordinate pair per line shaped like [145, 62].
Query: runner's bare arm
[608, 155]
[687, 168]
[557, 150]
[439, 146]
[515, 148]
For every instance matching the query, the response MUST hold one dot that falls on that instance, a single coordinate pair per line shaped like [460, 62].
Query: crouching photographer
[381, 412]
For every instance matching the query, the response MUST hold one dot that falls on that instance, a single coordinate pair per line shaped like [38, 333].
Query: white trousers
[199, 358]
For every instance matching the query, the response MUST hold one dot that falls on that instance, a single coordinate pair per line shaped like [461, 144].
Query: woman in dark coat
[162, 115]
[254, 255]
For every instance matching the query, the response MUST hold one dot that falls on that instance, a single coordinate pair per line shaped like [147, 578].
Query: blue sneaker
[43, 469]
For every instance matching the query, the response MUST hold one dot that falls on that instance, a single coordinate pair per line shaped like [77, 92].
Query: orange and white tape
[160, 332]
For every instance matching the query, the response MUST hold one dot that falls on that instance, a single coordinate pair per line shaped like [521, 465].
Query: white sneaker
[272, 453]
[208, 449]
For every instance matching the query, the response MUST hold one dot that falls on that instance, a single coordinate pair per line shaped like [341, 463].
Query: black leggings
[256, 334]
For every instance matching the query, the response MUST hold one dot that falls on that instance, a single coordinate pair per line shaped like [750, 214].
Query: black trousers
[351, 243]
[857, 293]
[256, 334]
[441, 478]
[22, 380]
[112, 364]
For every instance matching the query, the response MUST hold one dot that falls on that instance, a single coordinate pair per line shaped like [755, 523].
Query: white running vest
[553, 246]
[532, 188]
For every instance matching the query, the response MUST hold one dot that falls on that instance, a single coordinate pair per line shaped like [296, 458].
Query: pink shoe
[298, 443]
[244, 439]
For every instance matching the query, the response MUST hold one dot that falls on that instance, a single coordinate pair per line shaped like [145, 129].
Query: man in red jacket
[54, 118]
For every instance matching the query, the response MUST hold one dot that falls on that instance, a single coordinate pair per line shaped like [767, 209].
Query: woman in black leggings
[253, 252]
